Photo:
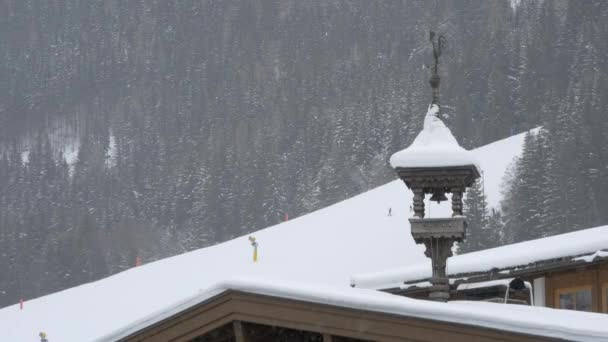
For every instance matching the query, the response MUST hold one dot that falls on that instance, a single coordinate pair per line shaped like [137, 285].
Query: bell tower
[435, 164]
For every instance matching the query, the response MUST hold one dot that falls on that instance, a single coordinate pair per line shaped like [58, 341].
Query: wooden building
[568, 271]
[262, 311]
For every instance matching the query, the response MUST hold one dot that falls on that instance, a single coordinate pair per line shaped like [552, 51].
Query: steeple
[436, 164]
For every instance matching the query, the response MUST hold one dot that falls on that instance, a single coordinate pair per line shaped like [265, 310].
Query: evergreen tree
[480, 235]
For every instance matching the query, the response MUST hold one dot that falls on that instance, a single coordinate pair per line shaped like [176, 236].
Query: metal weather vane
[438, 42]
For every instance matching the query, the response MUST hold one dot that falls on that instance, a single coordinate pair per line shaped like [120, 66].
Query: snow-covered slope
[324, 247]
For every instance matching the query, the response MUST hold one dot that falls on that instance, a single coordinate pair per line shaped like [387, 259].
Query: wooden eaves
[233, 307]
[529, 271]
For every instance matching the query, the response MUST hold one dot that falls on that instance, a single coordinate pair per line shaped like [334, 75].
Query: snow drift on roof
[434, 146]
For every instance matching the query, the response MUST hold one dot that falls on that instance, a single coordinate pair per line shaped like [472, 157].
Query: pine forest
[137, 130]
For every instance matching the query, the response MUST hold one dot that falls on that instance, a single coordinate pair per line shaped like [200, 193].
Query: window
[574, 298]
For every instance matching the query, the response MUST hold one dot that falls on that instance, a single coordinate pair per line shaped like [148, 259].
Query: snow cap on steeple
[435, 146]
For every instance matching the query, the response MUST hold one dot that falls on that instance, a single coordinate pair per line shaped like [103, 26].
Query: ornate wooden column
[418, 202]
[439, 250]
[457, 201]
[438, 234]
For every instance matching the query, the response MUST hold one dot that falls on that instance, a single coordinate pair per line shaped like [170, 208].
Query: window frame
[573, 290]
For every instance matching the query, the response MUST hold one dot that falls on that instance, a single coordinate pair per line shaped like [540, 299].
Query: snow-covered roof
[581, 246]
[435, 146]
[300, 250]
[562, 324]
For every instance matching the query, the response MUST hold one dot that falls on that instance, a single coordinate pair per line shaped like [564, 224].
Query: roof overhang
[330, 320]
[525, 271]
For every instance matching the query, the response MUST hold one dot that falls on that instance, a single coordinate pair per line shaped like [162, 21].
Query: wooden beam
[596, 294]
[234, 310]
[239, 334]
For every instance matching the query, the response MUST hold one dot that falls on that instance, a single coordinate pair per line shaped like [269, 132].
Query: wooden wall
[595, 276]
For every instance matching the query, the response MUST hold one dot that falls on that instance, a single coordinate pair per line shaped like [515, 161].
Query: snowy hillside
[325, 247]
